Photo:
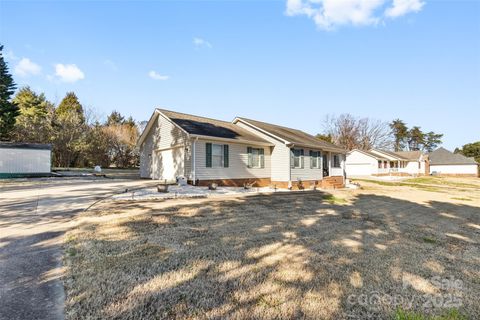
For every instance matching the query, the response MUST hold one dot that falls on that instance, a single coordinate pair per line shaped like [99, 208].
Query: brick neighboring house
[205, 150]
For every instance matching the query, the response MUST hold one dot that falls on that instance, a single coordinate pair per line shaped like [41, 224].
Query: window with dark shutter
[208, 154]
[225, 156]
[250, 159]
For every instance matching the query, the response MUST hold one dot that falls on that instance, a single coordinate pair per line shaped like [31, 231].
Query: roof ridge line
[193, 115]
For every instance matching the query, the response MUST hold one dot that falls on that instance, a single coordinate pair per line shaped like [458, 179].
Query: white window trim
[318, 158]
[259, 166]
[222, 155]
[339, 160]
[299, 159]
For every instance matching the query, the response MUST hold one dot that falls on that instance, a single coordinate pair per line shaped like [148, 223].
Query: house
[205, 151]
[24, 159]
[446, 163]
[376, 162]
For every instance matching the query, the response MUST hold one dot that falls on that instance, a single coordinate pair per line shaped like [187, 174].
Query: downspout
[194, 175]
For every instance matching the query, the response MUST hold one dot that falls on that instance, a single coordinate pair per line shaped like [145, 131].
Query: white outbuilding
[24, 159]
[446, 163]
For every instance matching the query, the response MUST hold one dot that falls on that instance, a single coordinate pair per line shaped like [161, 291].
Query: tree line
[352, 132]
[77, 137]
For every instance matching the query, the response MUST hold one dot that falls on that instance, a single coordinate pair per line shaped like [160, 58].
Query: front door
[325, 165]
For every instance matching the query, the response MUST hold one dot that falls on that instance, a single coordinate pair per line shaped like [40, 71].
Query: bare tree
[352, 132]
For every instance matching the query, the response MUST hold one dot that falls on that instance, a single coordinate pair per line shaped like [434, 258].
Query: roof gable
[291, 136]
[443, 156]
[202, 126]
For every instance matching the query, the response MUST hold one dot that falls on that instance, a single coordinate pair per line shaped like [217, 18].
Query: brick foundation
[325, 183]
[257, 182]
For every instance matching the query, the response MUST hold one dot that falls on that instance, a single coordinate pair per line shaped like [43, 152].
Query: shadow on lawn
[279, 256]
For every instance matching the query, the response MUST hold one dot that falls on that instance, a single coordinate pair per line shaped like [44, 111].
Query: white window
[336, 161]
[297, 158]
[315, 159]
[256, 157]
[217, 155]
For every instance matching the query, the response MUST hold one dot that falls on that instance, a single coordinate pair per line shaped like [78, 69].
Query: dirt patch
[278, 256]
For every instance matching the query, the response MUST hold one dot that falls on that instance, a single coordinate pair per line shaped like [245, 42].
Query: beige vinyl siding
[307, 173]
[238, 161]
[280, 155]
[163, 135]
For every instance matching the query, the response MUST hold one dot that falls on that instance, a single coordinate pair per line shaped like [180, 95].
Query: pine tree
[70, 104]
[416, 138]
[8, 110]
[115, 118]
[432, 140]
[400, 134]
[34, 122]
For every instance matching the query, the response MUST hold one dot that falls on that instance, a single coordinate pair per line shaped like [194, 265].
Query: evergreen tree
[432, 140]
[115, 118]
[70, 104]
[400, 134]
[416, 138]
[70, 132]
[34, 122]
[8, 109]
[325, 137]
[470, 150]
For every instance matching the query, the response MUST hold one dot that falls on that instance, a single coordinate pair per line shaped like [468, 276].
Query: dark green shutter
[225, 155]
[311, 159]
[292, 158]
[301, 158]
[249, 152]
[262, 158]
[208, 153]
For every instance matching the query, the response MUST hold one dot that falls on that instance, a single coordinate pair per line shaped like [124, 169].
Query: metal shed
[25, 159]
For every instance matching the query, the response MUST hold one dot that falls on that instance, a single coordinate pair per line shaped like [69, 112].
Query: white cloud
[329, 14]
[9, 55]
[68, 72]
[25, 67]
[199, 42]
[157, 76]
[402, 7]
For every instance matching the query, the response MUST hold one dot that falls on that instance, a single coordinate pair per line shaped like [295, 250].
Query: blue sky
[288, 63]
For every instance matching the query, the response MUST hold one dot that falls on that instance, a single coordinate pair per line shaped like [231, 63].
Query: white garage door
[360, 169]
[168, 164]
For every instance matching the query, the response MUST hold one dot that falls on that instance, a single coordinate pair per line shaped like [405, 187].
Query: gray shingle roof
[410, 155]
[443, 156]
[197, 125]
[25, 145]
[297, 137]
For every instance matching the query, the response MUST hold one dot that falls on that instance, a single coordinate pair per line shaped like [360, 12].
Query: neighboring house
[376, 162]
[206, 150]
[24, 159]
[444, 162]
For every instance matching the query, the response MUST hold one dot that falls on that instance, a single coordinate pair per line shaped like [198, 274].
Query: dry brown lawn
[300, 255]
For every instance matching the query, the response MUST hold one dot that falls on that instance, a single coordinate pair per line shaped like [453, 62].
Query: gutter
[258, 143]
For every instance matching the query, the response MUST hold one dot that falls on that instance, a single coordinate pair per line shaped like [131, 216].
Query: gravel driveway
[34, 216]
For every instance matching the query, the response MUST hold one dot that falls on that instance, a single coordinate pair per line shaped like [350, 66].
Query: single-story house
[205, 151]
[376, 162]
[444, 162]
[24, 159]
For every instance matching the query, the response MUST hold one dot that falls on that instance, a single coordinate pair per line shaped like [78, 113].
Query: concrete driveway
[34, 216]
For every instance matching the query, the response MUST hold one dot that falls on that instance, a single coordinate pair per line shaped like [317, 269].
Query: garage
[168, 164]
